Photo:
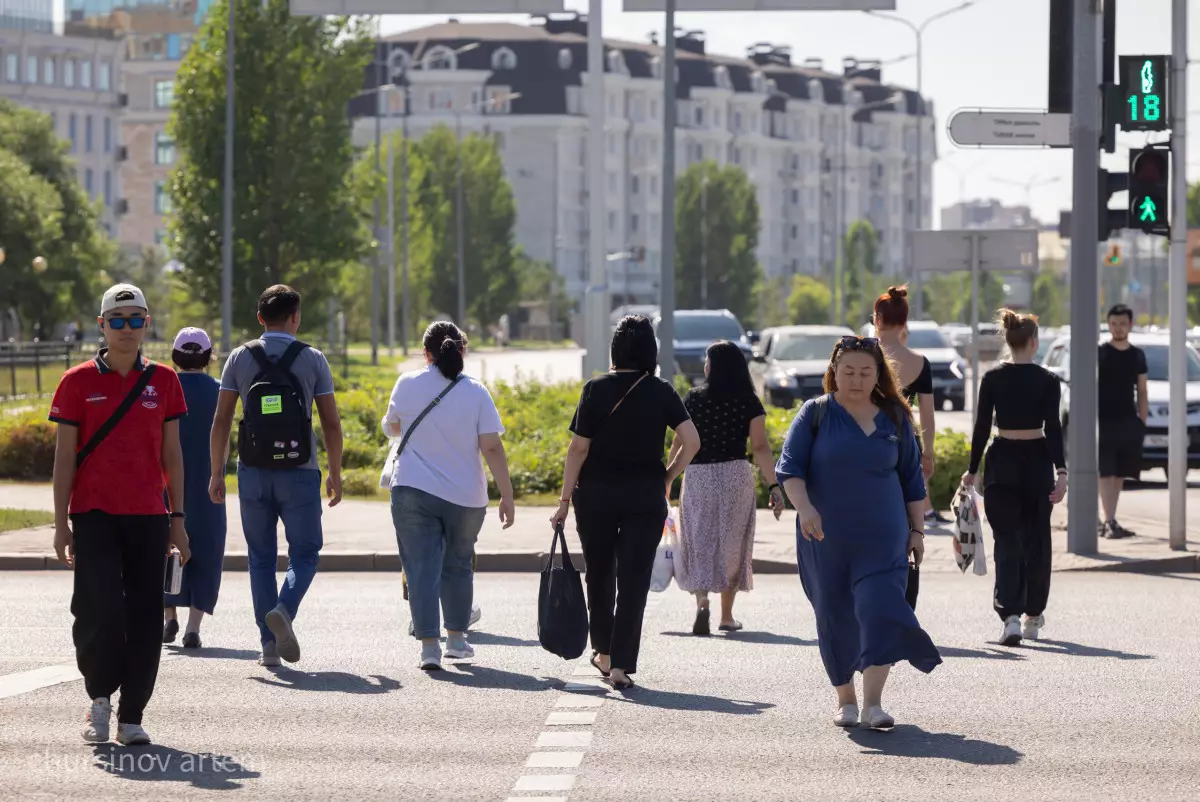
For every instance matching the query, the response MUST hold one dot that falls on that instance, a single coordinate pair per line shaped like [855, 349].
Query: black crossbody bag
[127, 404]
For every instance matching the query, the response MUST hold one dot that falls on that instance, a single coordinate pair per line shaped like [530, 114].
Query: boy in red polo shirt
[111, 525]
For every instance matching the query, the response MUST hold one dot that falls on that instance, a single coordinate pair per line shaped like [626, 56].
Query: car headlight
[959, 368]
[780, 380]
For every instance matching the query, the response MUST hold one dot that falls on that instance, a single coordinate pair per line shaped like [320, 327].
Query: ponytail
[445, 343]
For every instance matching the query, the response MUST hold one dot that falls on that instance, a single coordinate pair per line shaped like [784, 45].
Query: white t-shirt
[442, 456]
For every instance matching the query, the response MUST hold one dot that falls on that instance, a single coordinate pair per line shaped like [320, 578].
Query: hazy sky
[993, 55]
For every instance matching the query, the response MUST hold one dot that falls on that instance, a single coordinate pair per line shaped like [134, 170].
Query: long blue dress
[856, 577]
[205, 522]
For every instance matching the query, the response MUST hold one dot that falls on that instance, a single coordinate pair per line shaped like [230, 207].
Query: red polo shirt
[124, 475]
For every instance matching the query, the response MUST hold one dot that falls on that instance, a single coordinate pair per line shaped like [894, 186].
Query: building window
[564, 59]
[499, 100]
[612, 145]
[699, 115]
[108, 135]
[164, 148]
[795, 231]
[162, 201]
[108, 188]
[612, 221]
[104, 79]
[73, 133]
[504, 59]
[795, 197]
[31, 69]
[54, 121]
[160, 236]
[48, 71]
[612, 182]
[633, 224]
[737, 155]
[653, 109]
[654, 185]
[85, 74]
[441, 58]
[164, 94]
[87, 181]
[69, 72]
[12, 68]
[87, 134]
[635, 185]
[441, 99]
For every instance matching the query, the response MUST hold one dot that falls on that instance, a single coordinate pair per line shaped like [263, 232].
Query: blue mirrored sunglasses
[118, 323]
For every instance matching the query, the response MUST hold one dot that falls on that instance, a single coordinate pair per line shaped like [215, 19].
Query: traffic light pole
[1177, 453]
[1085, 317]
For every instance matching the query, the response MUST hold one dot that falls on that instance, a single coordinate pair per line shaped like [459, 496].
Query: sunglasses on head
[852, 343]
[118, 323]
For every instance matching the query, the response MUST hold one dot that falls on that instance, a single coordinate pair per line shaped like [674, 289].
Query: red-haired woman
[852, 470]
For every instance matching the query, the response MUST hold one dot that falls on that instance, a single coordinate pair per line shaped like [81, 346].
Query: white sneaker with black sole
[476, 614]
[1031, 627]
[1011, 635]
[99, 721]
[132, 735]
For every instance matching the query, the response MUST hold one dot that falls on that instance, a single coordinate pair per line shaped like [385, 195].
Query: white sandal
[847, 716]
[876, 718]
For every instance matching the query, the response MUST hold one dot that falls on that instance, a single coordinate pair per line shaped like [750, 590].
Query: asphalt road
[1104, 710]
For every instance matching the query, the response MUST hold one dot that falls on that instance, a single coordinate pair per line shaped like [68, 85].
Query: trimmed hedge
[535, 416]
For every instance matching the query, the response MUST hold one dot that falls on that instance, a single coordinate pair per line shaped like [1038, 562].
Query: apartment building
[73, 78]
[823, 149]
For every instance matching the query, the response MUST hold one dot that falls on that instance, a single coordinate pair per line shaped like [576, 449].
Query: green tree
[295, 218]
[861, 262]
[44, 212]
[489, 216]
[809, 301]
[717, 227]
[1047, 301]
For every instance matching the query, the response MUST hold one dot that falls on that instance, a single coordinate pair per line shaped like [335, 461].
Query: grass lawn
[11, 520]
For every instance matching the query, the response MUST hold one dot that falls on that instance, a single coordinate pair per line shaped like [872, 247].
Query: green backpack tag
[272, 404]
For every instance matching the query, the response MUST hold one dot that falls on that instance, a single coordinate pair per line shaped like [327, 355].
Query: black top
[1118, 375]
[723, 424]
[922, 385]
[1022, 396]
[631, 443]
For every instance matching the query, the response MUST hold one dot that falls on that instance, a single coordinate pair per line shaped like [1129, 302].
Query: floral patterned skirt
[716, 528]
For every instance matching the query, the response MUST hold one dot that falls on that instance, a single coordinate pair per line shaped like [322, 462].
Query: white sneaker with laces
[98, 721]
[847, 716]
[431, 657]
[458, 648]
[1031, 627]
[1011, 635]
[876, 718]
[132, 735]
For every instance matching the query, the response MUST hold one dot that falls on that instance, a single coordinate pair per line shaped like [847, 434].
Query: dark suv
[695, 330]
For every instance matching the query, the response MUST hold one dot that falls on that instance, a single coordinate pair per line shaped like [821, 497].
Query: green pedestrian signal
[1143, 84]
[1149, 211]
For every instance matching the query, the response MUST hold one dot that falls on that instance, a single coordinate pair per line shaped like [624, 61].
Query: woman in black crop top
[1026, 475]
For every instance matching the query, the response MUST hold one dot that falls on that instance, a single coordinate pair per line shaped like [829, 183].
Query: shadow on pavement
[163, 764]
[214, 653]
[336, 681]
[908, 740]
[693, 702]
[473, 676]
[488, 639]
[1079, 650]
[747, 636]
[984, 654]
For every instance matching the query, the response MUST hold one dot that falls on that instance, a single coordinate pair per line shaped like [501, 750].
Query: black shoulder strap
[412, 427]
[294, 349]
[820, 406]
[106, 428]
[258, 350]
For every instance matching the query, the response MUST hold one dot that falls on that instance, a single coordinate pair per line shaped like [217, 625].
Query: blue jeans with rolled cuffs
[437, 543]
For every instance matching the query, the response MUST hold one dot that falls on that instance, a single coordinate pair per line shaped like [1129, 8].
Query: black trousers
[120, 569]
[620, 525]
[1018, 480]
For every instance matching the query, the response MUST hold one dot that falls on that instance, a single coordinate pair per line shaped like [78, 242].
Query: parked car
[790, 362]
[1157, 348]
[695, 330]
[949, 369]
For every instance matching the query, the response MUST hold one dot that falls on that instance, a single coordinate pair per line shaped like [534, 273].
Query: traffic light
[1144, 99]
[1110, 220]
[1149, 190]
[1113, 257]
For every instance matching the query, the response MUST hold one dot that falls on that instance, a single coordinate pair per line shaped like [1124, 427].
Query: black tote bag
[562, 607]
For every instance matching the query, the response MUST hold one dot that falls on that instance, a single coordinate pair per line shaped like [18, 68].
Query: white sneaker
[1011, 635]
[431, 657]
[98, 721]
[458, 648]
[476, 614]
[1031, 626]
[847, 716]
[280, 624]
[877, 718]
[132, 735]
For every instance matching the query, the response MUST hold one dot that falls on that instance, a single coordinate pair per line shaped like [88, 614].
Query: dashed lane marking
[554, 760]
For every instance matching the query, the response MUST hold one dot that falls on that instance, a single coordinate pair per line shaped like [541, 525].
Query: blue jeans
[265, 497]
[437, 542]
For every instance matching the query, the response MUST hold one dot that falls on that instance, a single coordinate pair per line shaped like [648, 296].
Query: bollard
[37, 366]
[12, 366]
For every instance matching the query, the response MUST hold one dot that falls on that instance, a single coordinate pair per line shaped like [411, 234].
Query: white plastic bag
[664, 557]
[968, 531]
[389, 465]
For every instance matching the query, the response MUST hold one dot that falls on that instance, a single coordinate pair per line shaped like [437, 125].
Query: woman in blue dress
[852, 470]
[205, 522]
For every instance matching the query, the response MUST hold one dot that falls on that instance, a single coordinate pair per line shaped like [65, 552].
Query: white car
[1158, 388]
[948, 367]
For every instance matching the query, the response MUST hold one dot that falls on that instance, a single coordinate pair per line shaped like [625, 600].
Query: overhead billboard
[340, 8]
[763, 5]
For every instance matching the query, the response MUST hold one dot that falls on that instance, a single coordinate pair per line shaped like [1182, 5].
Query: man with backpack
[278, 379]
[118, 436]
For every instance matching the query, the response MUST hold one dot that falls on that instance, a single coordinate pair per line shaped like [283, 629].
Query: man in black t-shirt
[1122, 416]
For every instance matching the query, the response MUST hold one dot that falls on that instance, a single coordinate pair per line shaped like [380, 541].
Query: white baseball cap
[192, 339]
[122, 295]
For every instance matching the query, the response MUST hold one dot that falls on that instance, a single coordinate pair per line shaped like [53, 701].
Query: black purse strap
[413, 426]
[106, 428]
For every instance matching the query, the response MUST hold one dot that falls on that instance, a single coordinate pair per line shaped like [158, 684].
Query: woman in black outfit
[615, 476]
[1020, 485]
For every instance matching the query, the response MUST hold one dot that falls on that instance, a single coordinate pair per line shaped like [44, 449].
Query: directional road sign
[1006, 129]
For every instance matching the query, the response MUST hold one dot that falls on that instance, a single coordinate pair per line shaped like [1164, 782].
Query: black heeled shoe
[702, 624]
[191, 640]
[170, 631]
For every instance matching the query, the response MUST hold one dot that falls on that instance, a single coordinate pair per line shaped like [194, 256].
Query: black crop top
[922, 385]
[1022, 396]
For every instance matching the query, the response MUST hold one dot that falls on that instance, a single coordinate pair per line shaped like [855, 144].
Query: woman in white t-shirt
[439, 489]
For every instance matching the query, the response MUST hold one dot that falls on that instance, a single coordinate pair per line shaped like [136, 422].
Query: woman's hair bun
[898, 292]
[1009, 319]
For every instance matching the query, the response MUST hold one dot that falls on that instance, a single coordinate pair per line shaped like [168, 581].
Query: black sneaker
[701, 626]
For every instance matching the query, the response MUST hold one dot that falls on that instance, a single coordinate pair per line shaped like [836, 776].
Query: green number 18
[1151, 108]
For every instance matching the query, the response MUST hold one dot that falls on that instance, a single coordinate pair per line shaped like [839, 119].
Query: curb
[529, 562]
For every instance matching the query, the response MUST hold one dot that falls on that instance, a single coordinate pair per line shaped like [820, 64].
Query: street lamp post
[704, 242]
[919, 33]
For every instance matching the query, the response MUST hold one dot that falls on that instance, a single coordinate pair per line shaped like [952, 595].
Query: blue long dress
[856, 577]
[205, 522]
